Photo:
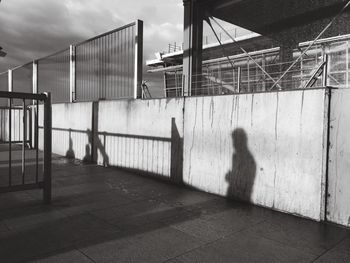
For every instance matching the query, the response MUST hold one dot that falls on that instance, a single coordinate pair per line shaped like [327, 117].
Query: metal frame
[46, 183]
[138, 59]
[72, 78]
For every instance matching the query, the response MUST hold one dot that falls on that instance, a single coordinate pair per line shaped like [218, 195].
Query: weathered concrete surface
[71, 123]
[144, 135]
[339, 159]
[266, 148]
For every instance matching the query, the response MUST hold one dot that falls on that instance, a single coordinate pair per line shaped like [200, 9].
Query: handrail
[106, 33]
[47, 134]
[22, 95]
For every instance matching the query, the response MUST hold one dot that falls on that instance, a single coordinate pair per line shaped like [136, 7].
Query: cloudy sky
[31, 29]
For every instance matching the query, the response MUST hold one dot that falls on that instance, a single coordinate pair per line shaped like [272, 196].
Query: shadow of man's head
[239, 140]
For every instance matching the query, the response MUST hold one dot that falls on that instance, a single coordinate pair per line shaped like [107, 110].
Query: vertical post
[93, 134]
[220, 77]
[24, 139]
[248, 75]
[239, 77]
[47, 148]
[263, 59]
[10, 142]
[165, 85]
[208, 81]
[35, 77]
[175, 81]
[35, 90]
[10, 82]
[10, 126]
[193, 45]
[36, 141]
[286, 56]
[325, 70]
[72, 78]
[138, 59]
[233, 79]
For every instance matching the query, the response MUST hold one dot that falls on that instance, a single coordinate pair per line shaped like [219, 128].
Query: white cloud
[33, 28]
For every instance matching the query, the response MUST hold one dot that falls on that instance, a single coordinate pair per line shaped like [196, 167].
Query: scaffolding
[220, 77]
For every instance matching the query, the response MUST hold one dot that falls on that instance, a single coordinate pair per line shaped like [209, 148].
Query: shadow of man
[241, 178]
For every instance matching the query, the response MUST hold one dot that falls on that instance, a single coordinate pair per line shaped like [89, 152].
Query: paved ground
[108, 215]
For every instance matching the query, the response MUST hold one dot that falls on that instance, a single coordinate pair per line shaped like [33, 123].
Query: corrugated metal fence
[53, 75]
[3, 87]
[105, 65]
[108, 66]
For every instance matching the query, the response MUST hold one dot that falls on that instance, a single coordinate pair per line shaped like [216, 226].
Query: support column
[9, 77]
[35, 77]
[193, 47]
[72, 91]
[286, 57]
[138, 59]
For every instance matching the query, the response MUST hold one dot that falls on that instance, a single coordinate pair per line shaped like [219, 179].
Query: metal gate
[22, 165]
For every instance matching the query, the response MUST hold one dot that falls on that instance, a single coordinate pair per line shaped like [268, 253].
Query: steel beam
[193, 45]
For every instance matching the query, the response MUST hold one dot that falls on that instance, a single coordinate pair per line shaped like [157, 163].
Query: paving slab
[103, 214]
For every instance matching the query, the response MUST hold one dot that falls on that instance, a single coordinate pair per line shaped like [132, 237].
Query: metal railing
[221, 78]
[218, 76]
[245, 78]
[23, 161]
[173, 84]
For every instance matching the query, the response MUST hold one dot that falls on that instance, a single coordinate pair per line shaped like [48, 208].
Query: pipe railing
[27, 177]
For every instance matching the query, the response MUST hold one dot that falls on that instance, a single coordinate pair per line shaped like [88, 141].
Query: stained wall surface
[266, 148]
[144, 135]
[339, 158]
[71, 124]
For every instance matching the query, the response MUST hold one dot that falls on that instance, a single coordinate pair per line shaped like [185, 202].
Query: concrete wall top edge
[199, 96]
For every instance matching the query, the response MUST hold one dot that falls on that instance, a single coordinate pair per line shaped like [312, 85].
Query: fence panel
[22, 78]
[21, 160]
[338, 68]
[4, 86]
[22, 81]
[54, 74]
[105, 65]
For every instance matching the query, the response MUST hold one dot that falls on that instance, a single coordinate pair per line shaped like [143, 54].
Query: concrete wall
[144, 135]
[71, 123]
[339, 159]
[266, 148]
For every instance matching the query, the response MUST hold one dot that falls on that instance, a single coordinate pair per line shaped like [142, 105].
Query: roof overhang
[276, 17]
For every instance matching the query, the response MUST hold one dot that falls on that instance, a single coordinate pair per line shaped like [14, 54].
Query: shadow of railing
[159, 157]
